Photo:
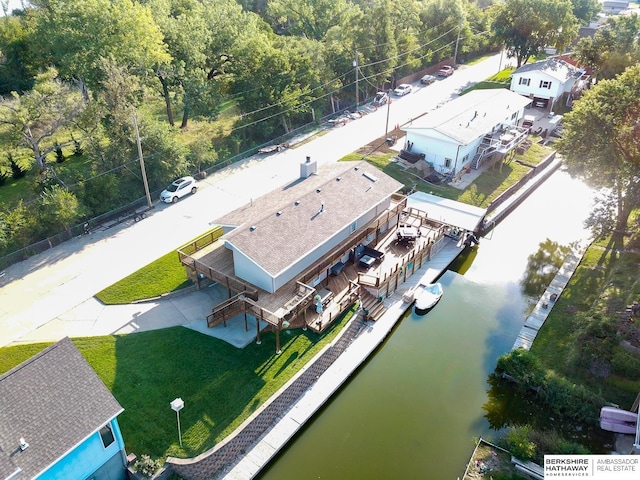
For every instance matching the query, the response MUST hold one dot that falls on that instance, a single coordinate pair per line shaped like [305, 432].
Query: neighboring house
[285, 252]
[58, 420]
[475, 128]
[614, 6]
[545, 82]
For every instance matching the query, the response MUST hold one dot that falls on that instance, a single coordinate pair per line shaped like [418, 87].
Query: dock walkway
[311, 388]
[536, 319]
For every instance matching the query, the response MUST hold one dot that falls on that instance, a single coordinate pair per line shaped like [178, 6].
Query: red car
[445, 71]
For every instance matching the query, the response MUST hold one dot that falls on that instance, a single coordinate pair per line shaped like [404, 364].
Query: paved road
[40, 291]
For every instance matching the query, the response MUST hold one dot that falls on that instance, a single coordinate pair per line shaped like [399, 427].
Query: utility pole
[355, 64]
[144, 172]
[386, 128]
[455, 54]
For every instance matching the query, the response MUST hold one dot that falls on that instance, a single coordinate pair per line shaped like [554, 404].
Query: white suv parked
[179, 189]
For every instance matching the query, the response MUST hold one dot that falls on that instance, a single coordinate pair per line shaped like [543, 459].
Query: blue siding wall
[86, 458]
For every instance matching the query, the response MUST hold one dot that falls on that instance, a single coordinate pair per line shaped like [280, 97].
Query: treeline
[206, 79]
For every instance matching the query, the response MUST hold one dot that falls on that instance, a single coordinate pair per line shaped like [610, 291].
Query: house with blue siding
[58, 420]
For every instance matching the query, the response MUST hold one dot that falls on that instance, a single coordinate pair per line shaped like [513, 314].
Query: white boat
[427, 296]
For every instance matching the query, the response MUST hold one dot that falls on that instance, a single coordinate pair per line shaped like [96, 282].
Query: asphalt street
[50, 295]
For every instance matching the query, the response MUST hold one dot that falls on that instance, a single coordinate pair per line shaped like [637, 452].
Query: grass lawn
[604, 283]
[220, 384]
[164, 275]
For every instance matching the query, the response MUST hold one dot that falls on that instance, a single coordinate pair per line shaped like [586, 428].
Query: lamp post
[176, 406]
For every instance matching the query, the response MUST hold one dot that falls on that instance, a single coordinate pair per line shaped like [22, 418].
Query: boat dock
[297, 401]
[536, 319]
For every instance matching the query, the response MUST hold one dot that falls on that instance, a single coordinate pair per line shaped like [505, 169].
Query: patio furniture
[366, 261]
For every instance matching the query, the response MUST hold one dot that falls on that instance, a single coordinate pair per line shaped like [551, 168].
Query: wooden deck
[295, 304]
[536, 319]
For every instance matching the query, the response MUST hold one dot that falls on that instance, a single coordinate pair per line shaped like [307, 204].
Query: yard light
[176, 406]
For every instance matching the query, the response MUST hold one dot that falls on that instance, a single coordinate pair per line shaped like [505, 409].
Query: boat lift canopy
[457, 214]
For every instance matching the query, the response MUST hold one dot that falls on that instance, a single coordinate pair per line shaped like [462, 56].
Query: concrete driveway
[53, 292]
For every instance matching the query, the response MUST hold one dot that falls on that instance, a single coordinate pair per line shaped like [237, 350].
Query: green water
[415, 407]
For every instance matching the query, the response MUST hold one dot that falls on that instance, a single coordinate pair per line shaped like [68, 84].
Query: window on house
[524, 81]
[353, 227]
[465, 158]
[447, 162]
[107, 435]
[515, 114]
[545, 84]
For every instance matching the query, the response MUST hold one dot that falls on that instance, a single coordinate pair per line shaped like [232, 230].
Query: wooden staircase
[372, 308]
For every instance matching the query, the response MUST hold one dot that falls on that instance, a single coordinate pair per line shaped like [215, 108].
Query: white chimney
[308, 168]
[23, 444]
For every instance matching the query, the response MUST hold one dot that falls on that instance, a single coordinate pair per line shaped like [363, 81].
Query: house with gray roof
[58, 420]
[475, 128]
[545, 82]
[282, 255]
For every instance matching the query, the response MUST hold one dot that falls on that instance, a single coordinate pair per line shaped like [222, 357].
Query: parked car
[402, 89]
[427, 79]
[381, 99]
[445, 71]
[179, 189]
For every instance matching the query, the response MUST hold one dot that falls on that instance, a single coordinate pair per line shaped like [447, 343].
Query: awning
[453, 213]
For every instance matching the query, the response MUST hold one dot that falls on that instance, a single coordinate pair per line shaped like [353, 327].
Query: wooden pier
[536, 319]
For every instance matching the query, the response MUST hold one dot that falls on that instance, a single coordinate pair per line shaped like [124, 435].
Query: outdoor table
[367, 261]
[406, 233]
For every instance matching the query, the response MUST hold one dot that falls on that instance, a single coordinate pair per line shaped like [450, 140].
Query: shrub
[519, 443]
[16, 170]
[59, 154]
[625, 364]
[3, 177]
[146, 466]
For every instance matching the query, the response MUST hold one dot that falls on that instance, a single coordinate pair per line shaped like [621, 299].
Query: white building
[545, 82]
[469, 130]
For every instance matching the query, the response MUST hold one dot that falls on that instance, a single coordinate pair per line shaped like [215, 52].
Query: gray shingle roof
[286, 232]
[54, 401]
[554, 67]
[471, 116]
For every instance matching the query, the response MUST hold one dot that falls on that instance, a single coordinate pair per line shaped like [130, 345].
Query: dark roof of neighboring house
[471, 116]
[554, 67]
[287, 223]
[54, 401]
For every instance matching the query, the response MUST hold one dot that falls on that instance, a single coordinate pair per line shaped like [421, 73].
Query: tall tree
[601, 141]
[74, 35]
[585, 10]
[613, 48]
[308, 18]
[275, 81]
[201, 37]
[32, 119]
[525, 27]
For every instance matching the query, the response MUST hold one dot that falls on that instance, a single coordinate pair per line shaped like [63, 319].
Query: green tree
[525, 27]
[601, 141]
[57, 208]
[16, 72]
[287, 69]
[613, 48]
[585, 10]
[201, 37]
[307, 18]
[31, 120]
[74, 35]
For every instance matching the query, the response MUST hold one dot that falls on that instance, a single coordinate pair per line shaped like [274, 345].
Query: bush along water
[561, 396]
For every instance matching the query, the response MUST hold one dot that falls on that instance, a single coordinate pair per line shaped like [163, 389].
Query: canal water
[413, 410]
